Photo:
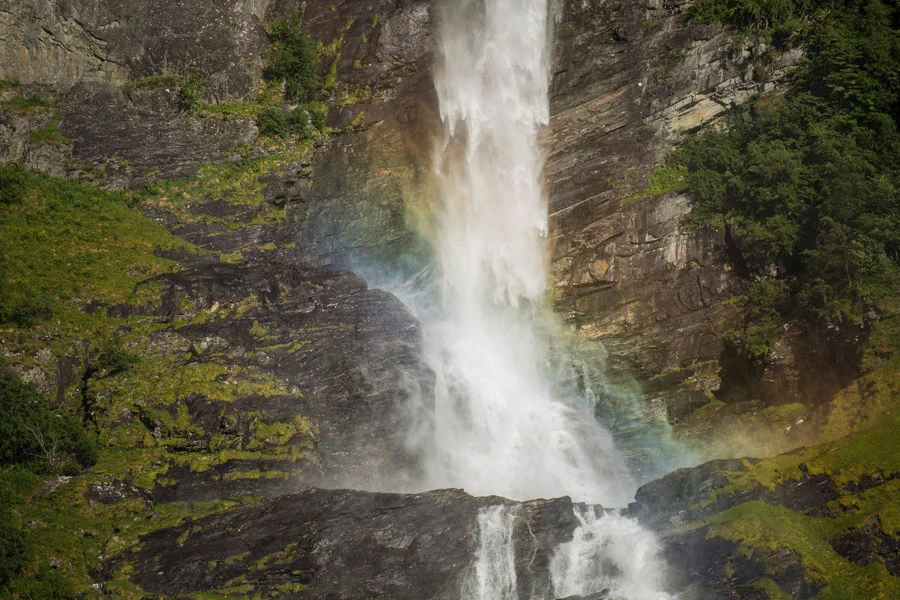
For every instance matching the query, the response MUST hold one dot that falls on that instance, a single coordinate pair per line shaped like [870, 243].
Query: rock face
[372, 187]
[630, 79]
[61, 44]
[336, 543]
[145, 134]
[345, 359]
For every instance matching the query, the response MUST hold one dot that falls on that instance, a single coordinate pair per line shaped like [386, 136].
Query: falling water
[500, 424]
[493, 576]
[608, 553]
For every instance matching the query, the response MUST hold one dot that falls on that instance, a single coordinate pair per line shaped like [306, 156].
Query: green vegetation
[49, 134]
[775, 20]
[191, 88]
[669, 177]
[27, 104]
[305, 120]
[808, 185]
[35, 439]
[64, 243]
[293, 60]
[35, 435]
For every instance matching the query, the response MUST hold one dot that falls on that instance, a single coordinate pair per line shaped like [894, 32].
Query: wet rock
[668, 501]
[686, 495]
[352, 544]
[704, 567]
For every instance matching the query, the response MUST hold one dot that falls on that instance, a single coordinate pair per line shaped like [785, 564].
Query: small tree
[293, 59]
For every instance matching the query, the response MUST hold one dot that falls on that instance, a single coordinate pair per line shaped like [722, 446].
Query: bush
[809, 187]
[15, 554]
[12, 183]
[33, 434]
[293, 59]
[44, 583]
[304, 121]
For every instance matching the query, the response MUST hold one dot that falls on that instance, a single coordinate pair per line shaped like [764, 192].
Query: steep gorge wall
[630, 80]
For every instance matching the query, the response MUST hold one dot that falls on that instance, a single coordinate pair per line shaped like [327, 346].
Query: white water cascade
[502, 423]
[608, 553]
[494, 574]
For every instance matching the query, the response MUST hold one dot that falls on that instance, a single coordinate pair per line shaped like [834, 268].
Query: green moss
[8, 84]
[759, 528]
[28, 104]
[49, 134]
[771, 588]
[669, 177]
[66, 243]
[258, 330]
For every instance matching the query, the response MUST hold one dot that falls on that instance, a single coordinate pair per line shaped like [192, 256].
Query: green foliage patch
[293, 60]
[65, 243]
[49, 134]
[808, 187]
[25, 104]
[34, 434]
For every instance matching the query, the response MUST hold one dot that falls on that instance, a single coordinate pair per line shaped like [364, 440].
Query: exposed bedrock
[347, 544]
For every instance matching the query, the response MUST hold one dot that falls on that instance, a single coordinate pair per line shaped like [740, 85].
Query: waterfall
[608, 553]
[493, 575]
[500, 424]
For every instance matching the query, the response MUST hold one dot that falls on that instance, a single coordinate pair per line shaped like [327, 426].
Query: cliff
[262, 365]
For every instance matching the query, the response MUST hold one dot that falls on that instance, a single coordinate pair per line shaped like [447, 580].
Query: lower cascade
[493, 575]
[610, 557]
[608, 554]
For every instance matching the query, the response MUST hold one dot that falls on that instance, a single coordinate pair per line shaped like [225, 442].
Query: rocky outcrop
[61, 44]
[324, 543]
[630, 79]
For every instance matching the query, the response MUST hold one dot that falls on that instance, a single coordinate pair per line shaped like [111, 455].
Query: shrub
[34, 435]
[293, 59]
[15, 554]
[304, 121]
[12, 183]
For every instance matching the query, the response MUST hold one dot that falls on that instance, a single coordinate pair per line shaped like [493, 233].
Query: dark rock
[668, 500]
[684, 495]
[349, 544]
[713, 568]
[862, 544]
[113, 491]
[145, 134]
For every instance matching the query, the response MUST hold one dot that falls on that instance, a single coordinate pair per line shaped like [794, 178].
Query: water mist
[502, 423]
